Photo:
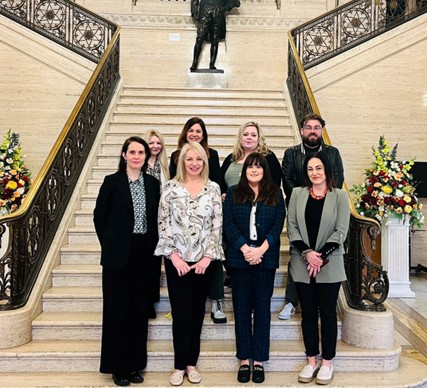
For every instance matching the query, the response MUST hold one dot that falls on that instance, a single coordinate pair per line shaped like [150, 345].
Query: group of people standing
[200, 216]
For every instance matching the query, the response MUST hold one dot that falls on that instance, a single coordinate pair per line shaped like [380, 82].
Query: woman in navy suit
[254, 213]
[125, 220]
[318, 221]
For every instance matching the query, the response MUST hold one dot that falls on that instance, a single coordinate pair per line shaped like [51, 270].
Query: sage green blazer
[333, 228]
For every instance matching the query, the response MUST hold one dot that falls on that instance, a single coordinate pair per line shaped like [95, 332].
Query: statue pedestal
[207, 78]
[395, 257]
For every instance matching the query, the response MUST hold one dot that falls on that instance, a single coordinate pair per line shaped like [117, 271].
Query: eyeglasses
[310, 128]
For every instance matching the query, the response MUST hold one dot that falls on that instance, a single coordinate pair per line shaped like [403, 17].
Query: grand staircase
[66, 335]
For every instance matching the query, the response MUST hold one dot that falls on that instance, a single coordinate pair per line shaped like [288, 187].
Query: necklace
[317, 197]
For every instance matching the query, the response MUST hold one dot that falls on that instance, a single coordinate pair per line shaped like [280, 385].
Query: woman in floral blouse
[190, 228]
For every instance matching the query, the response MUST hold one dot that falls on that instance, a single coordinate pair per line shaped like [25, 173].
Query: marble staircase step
[87, 275]
[201, 93]
[411, 373]
[216, 355]
[86, 326]
[89, 299]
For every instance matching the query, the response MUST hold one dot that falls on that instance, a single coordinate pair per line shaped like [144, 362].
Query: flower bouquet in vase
[15, 178]
[388, 194]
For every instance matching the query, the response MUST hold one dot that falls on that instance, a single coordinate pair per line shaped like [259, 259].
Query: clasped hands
[314, 263]
[253, 255]
[183, 268]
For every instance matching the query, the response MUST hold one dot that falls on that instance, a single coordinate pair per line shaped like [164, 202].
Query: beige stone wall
[40, 83]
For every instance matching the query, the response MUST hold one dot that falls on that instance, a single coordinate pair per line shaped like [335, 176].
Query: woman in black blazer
[195, 130]
[254, 213]
[125, 219]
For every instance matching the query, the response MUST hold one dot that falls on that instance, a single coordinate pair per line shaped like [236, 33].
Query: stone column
[395, 257]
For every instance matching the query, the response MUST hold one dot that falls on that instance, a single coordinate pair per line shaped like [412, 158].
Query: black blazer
[114, 218]
[213, 161]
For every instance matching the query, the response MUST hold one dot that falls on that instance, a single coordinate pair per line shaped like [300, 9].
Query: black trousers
[319, 298]
[126, 297]
[187, 295]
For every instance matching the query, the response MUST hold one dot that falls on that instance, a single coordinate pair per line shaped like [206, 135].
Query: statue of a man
[210, 17]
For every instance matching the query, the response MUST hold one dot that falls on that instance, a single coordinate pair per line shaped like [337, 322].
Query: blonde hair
[162, 156]
[198, 149]
[262, 148]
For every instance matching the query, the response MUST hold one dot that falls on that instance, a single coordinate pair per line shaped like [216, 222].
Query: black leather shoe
[121, 379]
[258, 374]
[135, 377]
[244, 374]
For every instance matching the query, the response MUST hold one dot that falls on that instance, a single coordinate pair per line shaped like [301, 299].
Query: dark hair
[268, 190]
[312, 116]
[132, 139]
[182, 139]
[330, 178]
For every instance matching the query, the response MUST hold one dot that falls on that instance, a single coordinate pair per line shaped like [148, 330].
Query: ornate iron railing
[32, 228]
[64, 22]
[349, 25]
[345, 27]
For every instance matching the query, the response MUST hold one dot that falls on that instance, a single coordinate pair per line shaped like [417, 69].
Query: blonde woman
[249, 139]
[157, 165]
[190, 230]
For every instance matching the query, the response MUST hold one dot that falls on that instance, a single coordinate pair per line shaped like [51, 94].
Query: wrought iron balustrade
[310, 44]
[64, 22]
[26, 236]
[349, 25]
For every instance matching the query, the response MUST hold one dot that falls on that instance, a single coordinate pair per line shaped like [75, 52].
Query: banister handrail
[31, 228]
[367, 284]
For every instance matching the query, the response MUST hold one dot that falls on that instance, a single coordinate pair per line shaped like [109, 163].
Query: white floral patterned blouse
[190, 225]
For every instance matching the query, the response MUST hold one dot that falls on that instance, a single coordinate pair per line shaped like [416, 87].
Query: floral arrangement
[388, 190]
[15, 178]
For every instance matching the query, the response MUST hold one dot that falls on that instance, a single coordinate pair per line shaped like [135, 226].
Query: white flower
[9, 160]
[399, 193]
[20, 190]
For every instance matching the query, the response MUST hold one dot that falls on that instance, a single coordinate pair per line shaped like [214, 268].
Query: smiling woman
[190, 228]
[125, 218]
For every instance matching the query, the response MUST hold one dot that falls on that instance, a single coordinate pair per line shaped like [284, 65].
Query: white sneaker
[287, 311]
[217, 313]
[325, 374]
[308, 373]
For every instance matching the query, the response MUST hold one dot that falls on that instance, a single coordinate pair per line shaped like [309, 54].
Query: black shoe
[121, 379]
[135, 377]
[258, 374]
[244, 374]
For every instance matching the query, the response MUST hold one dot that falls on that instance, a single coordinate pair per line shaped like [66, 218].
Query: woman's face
[254, 174]
[135, 156]
[195, 133]
[316, 171]
[155, 145]
[250, 139]
[193, 163]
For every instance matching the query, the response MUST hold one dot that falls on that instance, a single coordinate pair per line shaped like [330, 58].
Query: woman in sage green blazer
[318, 219]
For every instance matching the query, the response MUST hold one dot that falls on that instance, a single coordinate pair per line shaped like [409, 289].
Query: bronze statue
[210, 17]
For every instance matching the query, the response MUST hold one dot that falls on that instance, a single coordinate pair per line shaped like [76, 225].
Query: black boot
[214, 53]
[196, 54]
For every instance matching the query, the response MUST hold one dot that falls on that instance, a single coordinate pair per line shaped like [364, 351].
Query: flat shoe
[258, 375]
[135, 377]
[308, 373]
[244, 374]
[194, 376]
[325, 375]
[177, 378]
[121, 380]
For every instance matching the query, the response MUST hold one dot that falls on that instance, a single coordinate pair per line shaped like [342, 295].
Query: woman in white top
[190, 228]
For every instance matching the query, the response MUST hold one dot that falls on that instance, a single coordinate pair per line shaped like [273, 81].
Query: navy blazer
[269, 225]
[114, 218]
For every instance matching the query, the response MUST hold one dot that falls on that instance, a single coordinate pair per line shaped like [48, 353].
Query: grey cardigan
[333, 228]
